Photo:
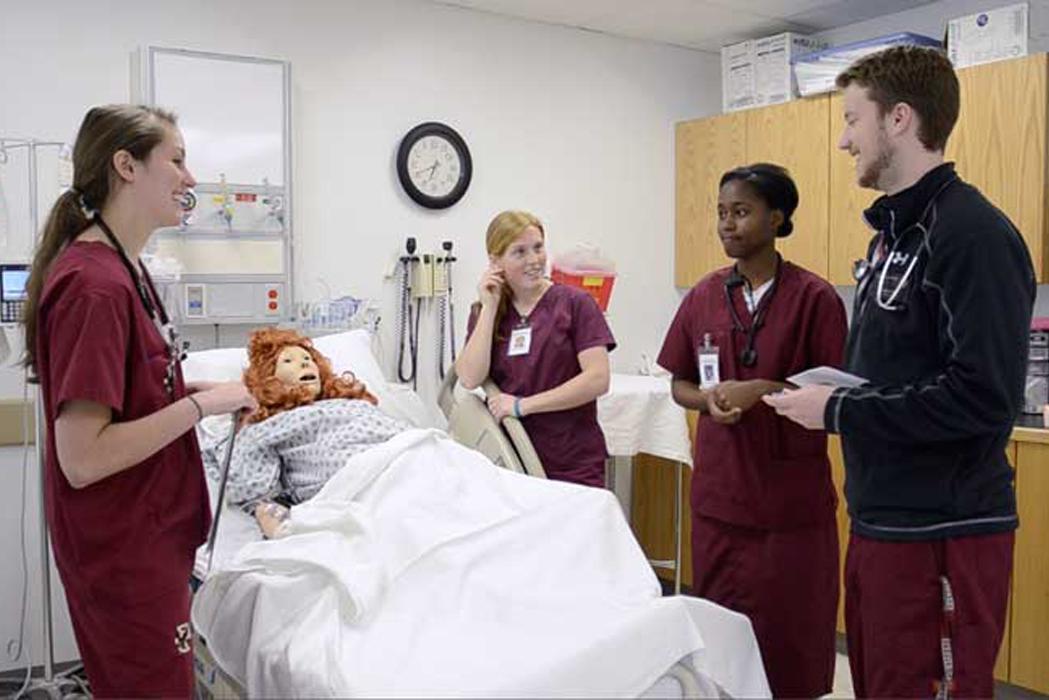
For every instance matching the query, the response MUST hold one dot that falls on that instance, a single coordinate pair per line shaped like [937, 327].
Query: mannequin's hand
[272, 519]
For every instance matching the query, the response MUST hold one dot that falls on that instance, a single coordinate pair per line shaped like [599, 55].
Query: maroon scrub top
[565, 322]
[765, 471]
[130, 537]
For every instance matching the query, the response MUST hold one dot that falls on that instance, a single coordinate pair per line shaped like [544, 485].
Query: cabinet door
[1030, 601]
[849, 234]
[704, 149]
[999, 143]
[796, 135]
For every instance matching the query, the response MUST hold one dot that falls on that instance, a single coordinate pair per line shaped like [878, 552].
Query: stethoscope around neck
[883, 260]
[147, 294]
[749, 356]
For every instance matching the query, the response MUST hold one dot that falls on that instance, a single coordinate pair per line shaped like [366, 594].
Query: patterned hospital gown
[291, 455]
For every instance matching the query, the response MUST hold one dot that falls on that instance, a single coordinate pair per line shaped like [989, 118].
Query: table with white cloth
[638, 414]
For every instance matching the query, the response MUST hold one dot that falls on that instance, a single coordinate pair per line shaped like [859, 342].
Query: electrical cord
[408, 325]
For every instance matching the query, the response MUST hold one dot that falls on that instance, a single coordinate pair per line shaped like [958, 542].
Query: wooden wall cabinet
[999, 145]
[1029, 624]
[795, 135]
[704, 149]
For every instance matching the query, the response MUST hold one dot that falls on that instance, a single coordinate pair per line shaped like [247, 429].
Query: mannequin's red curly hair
[275, 396]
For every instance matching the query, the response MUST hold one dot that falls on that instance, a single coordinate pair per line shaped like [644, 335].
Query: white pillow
[351, 351]
[219, 365]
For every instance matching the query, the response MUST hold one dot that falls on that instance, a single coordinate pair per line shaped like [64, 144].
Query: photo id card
[520, 342]
[709, 368]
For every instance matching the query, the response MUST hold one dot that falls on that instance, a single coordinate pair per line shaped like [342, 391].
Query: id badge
[709, 367]
[520, 342]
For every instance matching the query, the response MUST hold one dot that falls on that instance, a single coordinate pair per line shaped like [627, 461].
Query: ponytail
[65, 222]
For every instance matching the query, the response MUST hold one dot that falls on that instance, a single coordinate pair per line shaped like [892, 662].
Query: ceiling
[697, 24]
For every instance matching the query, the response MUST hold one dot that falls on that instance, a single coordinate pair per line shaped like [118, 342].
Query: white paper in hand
[826, 375]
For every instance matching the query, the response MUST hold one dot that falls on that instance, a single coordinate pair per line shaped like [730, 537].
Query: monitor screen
[13, 280]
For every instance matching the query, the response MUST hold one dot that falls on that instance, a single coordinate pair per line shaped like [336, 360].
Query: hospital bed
[728, 664]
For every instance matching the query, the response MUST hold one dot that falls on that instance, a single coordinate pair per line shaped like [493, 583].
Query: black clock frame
[465, 173]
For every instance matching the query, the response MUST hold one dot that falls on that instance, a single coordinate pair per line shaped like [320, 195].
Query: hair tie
[86, 209]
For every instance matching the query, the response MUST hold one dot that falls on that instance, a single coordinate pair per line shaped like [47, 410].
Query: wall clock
[434, 165]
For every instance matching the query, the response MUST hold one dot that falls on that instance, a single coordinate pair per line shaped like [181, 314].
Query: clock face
[434, 165]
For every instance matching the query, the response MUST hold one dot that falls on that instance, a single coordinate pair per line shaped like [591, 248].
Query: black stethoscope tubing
[147, 294]
[749, 356]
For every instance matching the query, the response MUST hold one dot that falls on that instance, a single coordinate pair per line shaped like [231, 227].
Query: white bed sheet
[638, 414]
[612, 651]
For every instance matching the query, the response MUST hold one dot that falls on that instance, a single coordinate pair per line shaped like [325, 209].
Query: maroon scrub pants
[895, 618]
[135, 650]
[786, 582]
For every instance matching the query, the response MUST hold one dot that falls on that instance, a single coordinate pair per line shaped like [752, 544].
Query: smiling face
[524, 261]
[866, 139]
[746, 225]
[165, 179]
[295, 367]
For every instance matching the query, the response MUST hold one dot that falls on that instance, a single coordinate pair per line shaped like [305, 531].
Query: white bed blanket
[422, 570]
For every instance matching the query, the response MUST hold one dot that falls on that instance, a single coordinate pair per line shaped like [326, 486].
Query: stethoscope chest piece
[860, 268]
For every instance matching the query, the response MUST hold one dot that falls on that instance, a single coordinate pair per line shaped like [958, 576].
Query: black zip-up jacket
[940, 330]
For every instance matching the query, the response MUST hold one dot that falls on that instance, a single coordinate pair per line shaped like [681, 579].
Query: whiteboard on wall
[232, 112]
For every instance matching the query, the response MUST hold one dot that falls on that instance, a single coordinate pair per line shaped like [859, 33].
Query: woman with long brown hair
[125, 494]
[545, 346]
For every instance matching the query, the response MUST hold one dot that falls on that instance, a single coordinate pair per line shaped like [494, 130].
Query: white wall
[573, 125]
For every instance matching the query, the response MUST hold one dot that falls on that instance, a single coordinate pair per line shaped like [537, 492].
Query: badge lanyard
[147, 294]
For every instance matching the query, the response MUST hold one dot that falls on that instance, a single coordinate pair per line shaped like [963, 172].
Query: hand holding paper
[804, 406]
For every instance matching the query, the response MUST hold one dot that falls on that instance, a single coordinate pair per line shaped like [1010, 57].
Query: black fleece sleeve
[984, 281]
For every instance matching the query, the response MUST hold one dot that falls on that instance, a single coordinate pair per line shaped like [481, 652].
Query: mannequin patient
[308, 423]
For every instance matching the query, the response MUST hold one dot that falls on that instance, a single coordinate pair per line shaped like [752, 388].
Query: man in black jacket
[939, 331]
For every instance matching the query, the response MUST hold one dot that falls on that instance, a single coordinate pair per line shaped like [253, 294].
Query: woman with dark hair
[124, 486]
[764, 537]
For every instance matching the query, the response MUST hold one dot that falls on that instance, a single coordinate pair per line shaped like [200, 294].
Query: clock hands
[432, 169]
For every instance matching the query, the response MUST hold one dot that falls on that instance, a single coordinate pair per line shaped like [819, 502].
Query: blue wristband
[517, 407]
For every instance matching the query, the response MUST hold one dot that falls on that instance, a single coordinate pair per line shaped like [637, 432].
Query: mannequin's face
[295, 367]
